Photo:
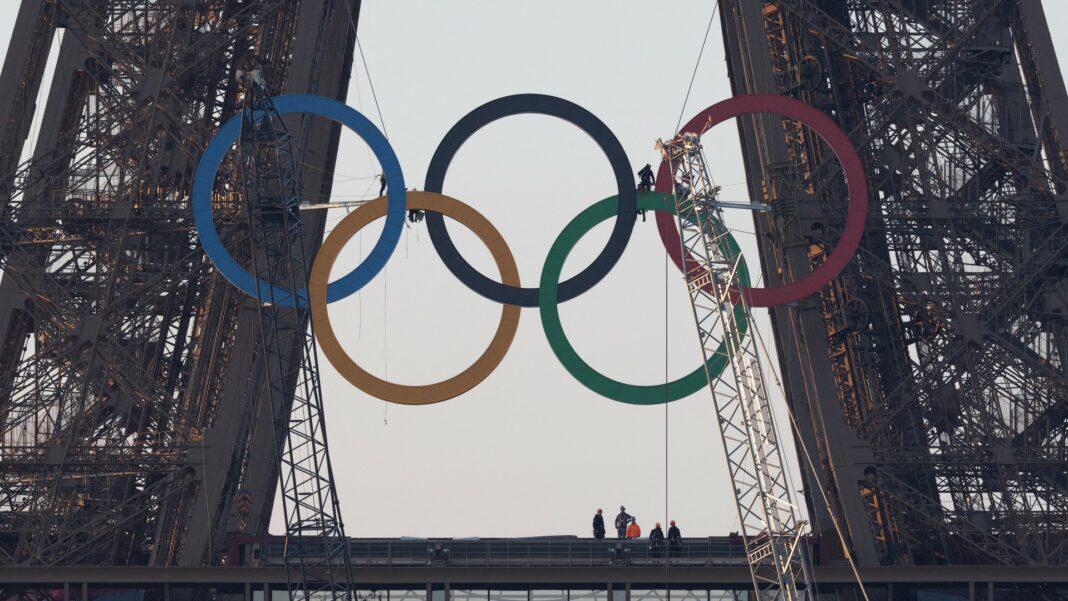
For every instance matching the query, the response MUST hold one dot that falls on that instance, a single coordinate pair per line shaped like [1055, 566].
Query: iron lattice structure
[133, 405]
[929, 379]
[770, 527]
[316, 547]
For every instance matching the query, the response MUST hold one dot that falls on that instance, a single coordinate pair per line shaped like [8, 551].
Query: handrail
[548, 552]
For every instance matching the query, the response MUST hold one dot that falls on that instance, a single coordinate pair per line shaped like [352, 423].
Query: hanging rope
[385, 132]
[371, 84]
[667, 449]
[697, 65]
[367, 149]
[363, 59]
[812, 467]
[667, 423]
[359, 297]
[385, 337]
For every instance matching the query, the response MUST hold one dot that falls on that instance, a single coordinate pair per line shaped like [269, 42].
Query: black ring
[541, 105]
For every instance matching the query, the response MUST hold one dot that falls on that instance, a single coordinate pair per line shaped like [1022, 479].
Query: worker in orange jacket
[633, 529]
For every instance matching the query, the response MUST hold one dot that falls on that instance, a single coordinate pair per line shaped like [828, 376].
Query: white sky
[529, 451]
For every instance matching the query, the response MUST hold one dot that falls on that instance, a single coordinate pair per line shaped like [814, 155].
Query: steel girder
[130, 395]
[930, 378]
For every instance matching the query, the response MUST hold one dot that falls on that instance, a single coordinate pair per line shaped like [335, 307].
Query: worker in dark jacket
[656, 539]
[598, 525]
[646, 178]
[646, 182]
[622, 521]
[674, 539]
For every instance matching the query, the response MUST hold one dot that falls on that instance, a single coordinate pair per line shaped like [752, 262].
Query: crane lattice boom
[771, 529]
[316, 551]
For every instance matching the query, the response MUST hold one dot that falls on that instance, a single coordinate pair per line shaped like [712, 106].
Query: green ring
[554, 332]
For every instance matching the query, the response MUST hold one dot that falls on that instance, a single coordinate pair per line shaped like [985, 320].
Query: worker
[646, 179]
[381, 184]
[645, 183]
[633, 529]
[674, 539]
[621, 522]
[656, 539]
[598, 525]
[681, 188]
[414, 215]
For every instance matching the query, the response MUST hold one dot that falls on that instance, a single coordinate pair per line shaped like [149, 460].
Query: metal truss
[316, 546]
[931, 377]
[771, 530]
[131, 394]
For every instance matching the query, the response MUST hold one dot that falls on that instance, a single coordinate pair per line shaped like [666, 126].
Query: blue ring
[204, 182]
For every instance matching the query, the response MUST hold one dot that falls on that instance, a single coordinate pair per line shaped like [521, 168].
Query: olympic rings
[575, 365]
[399, 393]
[541, 105]
[855, 181]
[204, 181]
[550, 292]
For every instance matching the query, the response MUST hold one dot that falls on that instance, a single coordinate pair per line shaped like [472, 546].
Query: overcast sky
[529, 451]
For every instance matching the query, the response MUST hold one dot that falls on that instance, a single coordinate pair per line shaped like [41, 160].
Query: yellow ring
[400, 393]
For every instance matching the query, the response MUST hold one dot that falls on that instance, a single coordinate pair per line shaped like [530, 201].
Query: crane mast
[771, 530]
[316, 553]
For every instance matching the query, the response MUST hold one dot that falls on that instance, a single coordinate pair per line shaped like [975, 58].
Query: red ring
[851, 166]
